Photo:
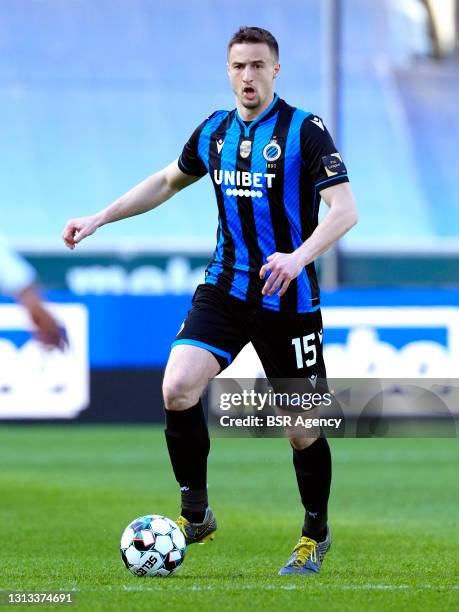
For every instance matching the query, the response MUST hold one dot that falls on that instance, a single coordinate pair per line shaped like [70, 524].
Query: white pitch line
[268, 587]
[379, 587]
[290, 587]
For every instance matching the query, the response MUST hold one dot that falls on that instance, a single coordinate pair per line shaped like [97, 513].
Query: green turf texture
[68, 492]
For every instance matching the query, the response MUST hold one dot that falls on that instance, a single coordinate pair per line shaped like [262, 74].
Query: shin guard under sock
[188, 443]
[313, 474]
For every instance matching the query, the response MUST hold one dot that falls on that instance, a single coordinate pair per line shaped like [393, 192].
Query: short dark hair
[247, 34]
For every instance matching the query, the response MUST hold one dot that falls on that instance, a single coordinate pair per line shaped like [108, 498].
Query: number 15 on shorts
[306, 350]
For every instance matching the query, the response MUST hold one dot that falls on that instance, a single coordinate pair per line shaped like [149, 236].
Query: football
[152, 545]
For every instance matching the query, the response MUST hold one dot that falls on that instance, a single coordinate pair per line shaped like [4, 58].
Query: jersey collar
[264, 115]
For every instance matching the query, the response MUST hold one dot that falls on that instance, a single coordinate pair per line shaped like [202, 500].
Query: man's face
[252, 69]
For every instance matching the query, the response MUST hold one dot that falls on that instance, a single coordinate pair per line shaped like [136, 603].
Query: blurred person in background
[18, 280]
[270, 165]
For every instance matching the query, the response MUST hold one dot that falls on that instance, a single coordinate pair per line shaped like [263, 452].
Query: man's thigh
[290, 345]
[187, 374]
[215, 324]
[290, 349]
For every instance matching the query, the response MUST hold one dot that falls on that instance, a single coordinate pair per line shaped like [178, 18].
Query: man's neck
[250, 114]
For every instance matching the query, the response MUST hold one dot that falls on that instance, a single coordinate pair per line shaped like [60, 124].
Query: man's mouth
[249, 92]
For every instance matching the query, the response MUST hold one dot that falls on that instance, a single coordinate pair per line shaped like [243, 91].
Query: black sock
[313, 474]
[188, 443]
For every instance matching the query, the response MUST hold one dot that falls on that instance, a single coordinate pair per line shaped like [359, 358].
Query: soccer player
[18, 279]
[270, 164]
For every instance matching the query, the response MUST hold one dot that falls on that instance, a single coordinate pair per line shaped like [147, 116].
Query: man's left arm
[340, 218]
[17, 279]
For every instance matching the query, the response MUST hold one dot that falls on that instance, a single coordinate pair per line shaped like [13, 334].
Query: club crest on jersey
[272, 151]
[245, 148]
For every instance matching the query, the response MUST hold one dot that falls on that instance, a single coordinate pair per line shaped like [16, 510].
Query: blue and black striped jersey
[267, 176]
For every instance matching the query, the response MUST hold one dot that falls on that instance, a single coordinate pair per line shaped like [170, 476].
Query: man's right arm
[145, 196]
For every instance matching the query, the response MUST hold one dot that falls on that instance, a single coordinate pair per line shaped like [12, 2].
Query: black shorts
[289, 345]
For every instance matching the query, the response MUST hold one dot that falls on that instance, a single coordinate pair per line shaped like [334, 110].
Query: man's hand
[77, 229]
[49, 332]
[284, 267]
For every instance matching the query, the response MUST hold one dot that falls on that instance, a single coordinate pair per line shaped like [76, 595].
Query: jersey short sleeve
[323, 162]
[189, 161]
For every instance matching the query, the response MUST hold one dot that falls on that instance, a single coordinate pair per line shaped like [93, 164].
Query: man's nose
[247, 74]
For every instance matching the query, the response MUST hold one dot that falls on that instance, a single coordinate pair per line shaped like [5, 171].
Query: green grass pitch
[68, 492]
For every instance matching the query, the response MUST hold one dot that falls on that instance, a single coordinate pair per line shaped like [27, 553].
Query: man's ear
[277, 68]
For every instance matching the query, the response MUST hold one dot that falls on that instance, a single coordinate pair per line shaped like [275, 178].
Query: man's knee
[300, 443]
[179, 394]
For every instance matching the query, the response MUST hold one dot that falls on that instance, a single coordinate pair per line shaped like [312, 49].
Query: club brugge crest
[272, 151]
[245, 148]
